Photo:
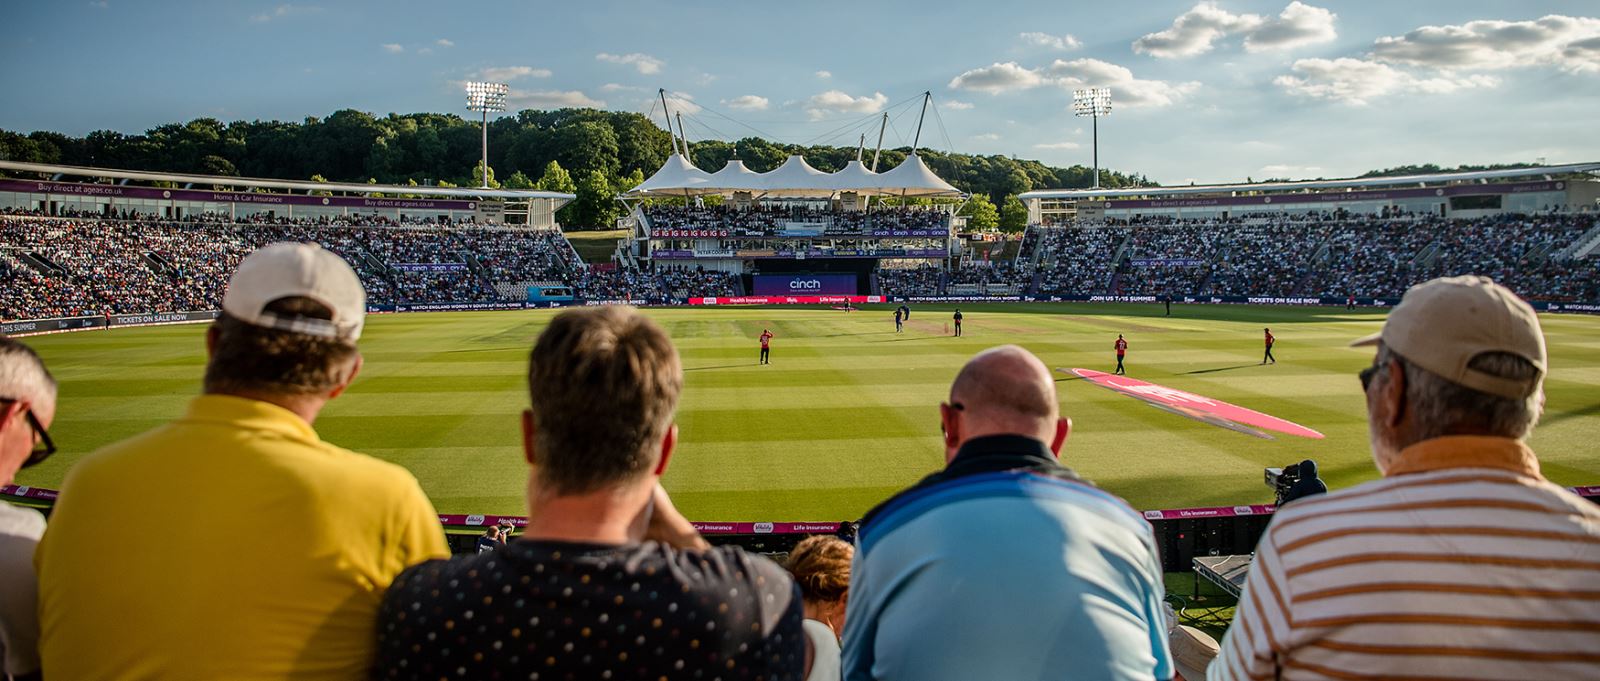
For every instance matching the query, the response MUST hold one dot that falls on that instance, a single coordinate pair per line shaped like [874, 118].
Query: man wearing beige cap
[233, 543]
[1463, 562]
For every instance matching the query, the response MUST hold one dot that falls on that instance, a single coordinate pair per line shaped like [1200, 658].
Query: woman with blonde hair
[821, 566]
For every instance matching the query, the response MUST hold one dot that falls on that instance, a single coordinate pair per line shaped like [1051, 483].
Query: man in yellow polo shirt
[233, 543]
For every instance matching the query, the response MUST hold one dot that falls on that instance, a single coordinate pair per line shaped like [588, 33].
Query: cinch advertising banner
[805, 284]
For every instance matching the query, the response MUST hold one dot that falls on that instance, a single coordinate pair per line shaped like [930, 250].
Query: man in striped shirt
[1463, 562]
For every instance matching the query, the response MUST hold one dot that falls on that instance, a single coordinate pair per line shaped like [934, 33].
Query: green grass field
[846, 414]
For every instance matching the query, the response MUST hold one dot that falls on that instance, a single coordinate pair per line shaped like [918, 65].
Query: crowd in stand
[657, 284]
[1317, 255]
[53, 267]
[765, 220]
[911, 281]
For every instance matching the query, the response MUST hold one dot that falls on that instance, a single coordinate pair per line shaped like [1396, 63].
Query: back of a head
[254, 359]
[604, 384]
[1474, 356]
[23, 375]
[291, 316]
[821, 566]
[1007, 389]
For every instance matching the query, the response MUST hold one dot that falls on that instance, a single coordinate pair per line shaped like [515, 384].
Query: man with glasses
[1464, 562]
[27, 407]
[243, 546]
[1005, 564]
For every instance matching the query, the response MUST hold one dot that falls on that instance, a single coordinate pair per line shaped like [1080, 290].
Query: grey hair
[22, 373]
[1446, 408]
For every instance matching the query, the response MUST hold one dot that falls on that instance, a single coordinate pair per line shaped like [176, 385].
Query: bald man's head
[1004, 391]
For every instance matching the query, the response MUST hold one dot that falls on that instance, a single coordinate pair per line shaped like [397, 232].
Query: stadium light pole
[1093, 102]
[486, 98]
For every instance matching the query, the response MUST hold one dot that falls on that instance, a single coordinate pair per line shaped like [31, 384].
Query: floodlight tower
[486, 98]
[1093, 102]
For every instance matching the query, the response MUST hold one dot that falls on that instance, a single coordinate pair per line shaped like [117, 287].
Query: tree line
[588, 152]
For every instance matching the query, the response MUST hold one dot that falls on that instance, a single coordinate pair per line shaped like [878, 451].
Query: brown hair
[604, 383]
[821, 566]
[255, 358]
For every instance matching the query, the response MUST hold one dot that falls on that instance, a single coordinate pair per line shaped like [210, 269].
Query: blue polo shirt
[1005, 566]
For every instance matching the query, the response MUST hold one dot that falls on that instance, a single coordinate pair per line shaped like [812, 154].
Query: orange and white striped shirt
[1463, 563]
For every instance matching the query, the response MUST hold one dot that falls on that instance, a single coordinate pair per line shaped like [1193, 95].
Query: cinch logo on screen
[805, 284]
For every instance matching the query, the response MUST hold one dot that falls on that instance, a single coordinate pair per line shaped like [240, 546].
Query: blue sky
[1213, 91]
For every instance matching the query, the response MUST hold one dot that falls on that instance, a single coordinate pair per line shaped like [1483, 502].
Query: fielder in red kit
[1122, 349]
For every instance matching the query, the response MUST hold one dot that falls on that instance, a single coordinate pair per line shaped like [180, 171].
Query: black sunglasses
[1366, 377]
[41, 449]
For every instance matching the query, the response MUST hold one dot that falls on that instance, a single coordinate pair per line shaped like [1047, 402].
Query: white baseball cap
[285, 270]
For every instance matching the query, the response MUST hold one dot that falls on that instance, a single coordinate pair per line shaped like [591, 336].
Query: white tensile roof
[677, 177]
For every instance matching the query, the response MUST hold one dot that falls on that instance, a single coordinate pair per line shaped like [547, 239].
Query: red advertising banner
[786, 300]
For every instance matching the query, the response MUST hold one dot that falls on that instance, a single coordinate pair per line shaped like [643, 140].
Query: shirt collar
[1000, 452]
[1467, 451]
[241, 412]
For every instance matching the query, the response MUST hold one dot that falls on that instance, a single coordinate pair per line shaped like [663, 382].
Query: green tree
[518, 180]
[1013, 215]
[477, 176]
[596, 206]
[556, 179]
[981, 213]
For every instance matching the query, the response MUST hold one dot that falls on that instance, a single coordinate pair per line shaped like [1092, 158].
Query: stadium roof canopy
[795, 178]
[1314, 185]
[61, 172]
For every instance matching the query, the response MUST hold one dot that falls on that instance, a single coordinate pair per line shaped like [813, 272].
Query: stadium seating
[764, 221]
[1316, 255]
[53, 267]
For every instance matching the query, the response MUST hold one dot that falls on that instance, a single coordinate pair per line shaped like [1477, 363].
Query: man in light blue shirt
[1005, 565]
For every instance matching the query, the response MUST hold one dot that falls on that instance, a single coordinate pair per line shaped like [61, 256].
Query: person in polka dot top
[608, 580]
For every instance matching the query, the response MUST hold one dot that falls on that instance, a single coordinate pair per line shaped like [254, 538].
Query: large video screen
[805, 284]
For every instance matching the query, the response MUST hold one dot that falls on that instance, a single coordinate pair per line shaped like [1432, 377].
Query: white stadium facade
[175, 196]
[1560, 188]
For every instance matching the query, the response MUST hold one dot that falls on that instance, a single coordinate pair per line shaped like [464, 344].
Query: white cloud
[102, 4]
[425, 50]
[957, 105]
[1570, 43]
[1126, 90]
[444, 42]
[644, 63]
[1194, 31]
[836, 101]
[552, 99]
[824, 75]
[506, 74]
[614, 87]
[1055, 42]
[1358, 81]
[997, 78]
[987, 137]
[1197, 30]
[747, 103]
[1297, 25]
[282, 11]
[1058, 145]
[393, 48]
[705, 79]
